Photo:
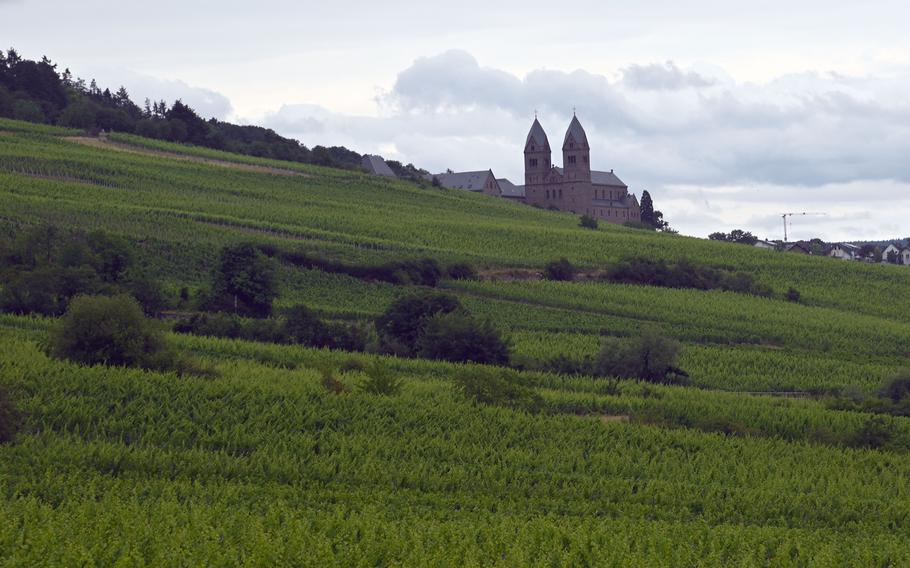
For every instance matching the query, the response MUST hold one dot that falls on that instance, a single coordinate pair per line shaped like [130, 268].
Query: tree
[243, 282]
[650, 357]
[647, 209]
[303, 326]
[742, 237]
[460, 338]
[403, 322]
[499, 387]
[110, 331]
[719, 236]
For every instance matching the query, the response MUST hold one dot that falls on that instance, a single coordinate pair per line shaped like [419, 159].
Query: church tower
[576, 154]
[537, 155]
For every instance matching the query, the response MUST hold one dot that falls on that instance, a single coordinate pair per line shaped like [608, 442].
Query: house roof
[471, 181]
[577, 134]
[509, 189]
[537, 136]
[376, 165]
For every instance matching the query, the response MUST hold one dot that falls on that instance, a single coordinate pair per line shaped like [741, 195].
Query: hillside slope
[261, 465]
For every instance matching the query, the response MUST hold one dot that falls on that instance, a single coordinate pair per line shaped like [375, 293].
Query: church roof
[509, 189]
[537, 136]
[577, 134]
[376, 165]
[606, 178]
[471, 181]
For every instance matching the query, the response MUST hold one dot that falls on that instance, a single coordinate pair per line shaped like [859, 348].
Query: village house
[843, 251]
[766, 245]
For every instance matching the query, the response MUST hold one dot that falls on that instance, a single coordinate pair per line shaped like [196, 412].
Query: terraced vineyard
[261, 465]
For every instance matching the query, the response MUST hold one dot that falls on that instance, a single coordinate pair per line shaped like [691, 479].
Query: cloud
[665, 76]
[712, 151]
[207, 102]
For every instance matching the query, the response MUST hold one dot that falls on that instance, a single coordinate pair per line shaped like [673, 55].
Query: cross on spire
[573, 111]
[535, 114]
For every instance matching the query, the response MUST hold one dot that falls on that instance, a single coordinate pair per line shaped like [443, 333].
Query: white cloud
[807, 141]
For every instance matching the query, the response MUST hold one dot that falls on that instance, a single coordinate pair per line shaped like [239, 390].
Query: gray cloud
[715, 155]
[665, 76]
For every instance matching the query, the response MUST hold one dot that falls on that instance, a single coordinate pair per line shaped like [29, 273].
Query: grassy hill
[262, 465]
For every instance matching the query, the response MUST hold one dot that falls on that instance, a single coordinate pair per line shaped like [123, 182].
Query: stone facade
[575, 186]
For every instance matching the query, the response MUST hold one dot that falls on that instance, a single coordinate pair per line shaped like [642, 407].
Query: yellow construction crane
[785, 215]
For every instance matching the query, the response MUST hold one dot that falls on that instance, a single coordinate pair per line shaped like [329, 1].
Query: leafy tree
[650, 357]
[460, 338]
[403, 322]
[28, 111]
[110, 331]
[560, 269]
[303, 326]
[719, 236]
[243, 282]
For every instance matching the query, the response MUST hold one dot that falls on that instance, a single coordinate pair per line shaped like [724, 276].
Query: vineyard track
[105, 143]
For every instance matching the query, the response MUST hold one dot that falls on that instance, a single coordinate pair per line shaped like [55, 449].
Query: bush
[560, 269]
[792, 295]
[10, 417]
[650, 357]
[461, 271]
[244, 282]
[301, 325]
[499, 387]
[110, 331]
[897, 388]
[332, 383]
[404, 320]
[587, 222]
[876, 432]
[381, 381]
[460, 338]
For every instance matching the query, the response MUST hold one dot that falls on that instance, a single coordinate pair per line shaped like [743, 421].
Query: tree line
[35, 91]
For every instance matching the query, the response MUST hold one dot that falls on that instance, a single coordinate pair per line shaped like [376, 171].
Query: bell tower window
[533, 162]
[571, 159]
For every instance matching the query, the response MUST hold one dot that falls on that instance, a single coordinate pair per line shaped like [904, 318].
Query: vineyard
[259, 464]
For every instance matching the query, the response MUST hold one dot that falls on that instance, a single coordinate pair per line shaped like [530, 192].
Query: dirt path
[102, 142]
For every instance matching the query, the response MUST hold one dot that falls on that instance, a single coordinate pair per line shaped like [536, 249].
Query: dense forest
[35, 91]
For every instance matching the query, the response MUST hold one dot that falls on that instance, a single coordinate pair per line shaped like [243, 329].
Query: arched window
[548, 194]
[560, 194]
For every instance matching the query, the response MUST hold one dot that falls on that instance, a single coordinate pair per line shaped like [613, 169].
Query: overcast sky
[729, 113]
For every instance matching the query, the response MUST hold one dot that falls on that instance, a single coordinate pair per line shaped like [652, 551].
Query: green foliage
[650, 357]
[243, 282]
[10, 417]
[460, 338]
[587, 222]
[497, 387]
[735, 236]
[403, 322]
[897, 388]
[109, 331]
[381, 380]
[561, 270]
[461, 271]
[682, 274]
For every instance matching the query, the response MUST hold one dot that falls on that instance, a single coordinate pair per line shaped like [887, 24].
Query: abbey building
[574, 187]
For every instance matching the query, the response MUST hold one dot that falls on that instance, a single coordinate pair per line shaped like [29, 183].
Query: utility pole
[785, 215]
